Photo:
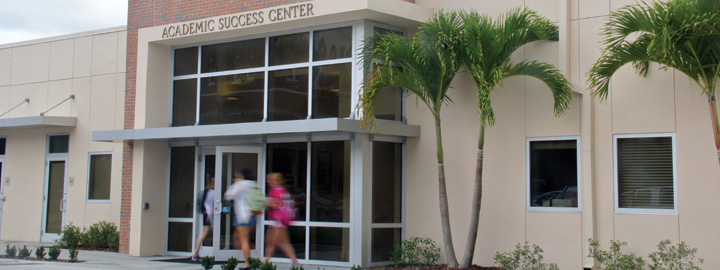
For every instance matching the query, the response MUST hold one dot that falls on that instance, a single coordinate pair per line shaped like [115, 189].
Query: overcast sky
[22, 20]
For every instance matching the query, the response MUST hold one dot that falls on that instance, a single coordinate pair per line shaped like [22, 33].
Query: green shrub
[524, 257]
[73, 254]
[114, 241]
[207, 262]
[54, 252]
[10, 251]
[254, 263]
[40, 252]
[230, 264]
[297, 267]
[71, 236]
[672, 257]
[24, 252]
[357, 267]
[267, 266]
[416, 250]
[614, 259]
[101, 235]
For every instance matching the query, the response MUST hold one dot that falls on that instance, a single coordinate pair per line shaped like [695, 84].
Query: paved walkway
[105, 260]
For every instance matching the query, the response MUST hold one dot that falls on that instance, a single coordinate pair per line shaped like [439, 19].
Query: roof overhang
[249, 130]
[37, 122]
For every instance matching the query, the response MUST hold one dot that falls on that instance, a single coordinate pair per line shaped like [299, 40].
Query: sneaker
[195, 258]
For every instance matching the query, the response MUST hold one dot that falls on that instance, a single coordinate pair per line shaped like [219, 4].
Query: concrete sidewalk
[105, 260]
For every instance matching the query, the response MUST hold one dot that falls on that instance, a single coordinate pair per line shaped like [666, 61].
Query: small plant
[416, 250]
[114, 241]
[267, 266]
[357, 267]
[24, 253]
[10, 251]
[614, 259]
[254, 263]
[672, 257]
[100, 235]
[40, 253]
[54, 252]
[230, 264]
[207, 262]
[71, 236]
[524, 257]
[73, 254]
[297, 267]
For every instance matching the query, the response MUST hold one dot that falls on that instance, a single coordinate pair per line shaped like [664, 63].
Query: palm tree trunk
[715, 124]
[444, 210]
[476, 204]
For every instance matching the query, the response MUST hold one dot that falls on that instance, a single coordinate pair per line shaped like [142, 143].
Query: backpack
[287, 209]
[256, 200]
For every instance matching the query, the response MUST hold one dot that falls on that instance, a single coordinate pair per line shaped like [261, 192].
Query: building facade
[192, 90]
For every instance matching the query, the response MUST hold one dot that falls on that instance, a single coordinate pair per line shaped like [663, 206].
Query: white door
[54, 199]
[2, 185]
[229, 158]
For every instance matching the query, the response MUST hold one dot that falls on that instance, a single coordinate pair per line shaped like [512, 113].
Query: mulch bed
[430, 267]
[33, 258]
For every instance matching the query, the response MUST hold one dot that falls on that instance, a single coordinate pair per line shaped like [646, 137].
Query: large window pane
[297, 240]
[186, 61]
[332, 91]
[2, 146]
[386, 182]
[330, 200]
[330, 244]
[56, 188]
[182, 180]
[384, 241]
[233, 55]
[645, 173]
[332, 44]
[58, 144]
[288, 92]
[99, 179]
[290, 159]
[180, 236]
[184, 102]
[232, 99]
[553, 173]
[289, 49]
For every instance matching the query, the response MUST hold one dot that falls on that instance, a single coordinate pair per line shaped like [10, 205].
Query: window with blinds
[645, 175]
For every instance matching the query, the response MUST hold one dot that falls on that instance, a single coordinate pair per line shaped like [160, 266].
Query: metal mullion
[184, 220]
[320, 224]
[386, 225]
[333, 62]
[307, 198]
[266, 87]
[311, 39]
[232, 72]
[289, 66]
[185, 77]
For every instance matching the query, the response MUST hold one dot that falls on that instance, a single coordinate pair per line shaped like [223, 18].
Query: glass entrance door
[229, 159]
[55, 202]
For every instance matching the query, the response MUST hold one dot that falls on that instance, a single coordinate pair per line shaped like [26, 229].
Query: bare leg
[244, 234]
[270, 242]
[283, 241]
[206, 230]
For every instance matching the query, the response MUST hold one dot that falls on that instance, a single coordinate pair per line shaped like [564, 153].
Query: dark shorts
[206, 222]
[251, 223]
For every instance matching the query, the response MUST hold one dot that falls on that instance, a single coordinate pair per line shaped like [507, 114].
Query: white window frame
[528, 206]
[87, 185]
[619, 210]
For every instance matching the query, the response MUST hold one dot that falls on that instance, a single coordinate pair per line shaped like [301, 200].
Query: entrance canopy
[37, 122]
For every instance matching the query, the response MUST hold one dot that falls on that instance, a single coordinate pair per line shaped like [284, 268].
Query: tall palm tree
[425, 66]
[488, 45]
[679, 34]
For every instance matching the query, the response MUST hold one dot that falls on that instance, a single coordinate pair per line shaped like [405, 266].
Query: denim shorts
[250, 223]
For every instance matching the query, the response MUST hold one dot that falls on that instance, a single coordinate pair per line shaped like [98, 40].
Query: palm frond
[551, 76]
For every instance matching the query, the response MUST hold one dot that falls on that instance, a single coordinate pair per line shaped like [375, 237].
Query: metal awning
[37, 122]
[279, 128]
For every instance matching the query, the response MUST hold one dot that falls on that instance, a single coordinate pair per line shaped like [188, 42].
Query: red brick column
[148, 13]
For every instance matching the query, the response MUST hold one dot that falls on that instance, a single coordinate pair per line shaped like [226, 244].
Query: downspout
[587, 185]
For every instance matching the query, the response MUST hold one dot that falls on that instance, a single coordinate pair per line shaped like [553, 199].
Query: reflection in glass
[645, 173]
[332, 91]
[233, 55]
[179, 236]
[186, 61]
[297, 240]
[290, 159]
[182, 179]
[330, 244]
[553, 173]
[330, 200]
[56, 189]
[386, 182]
[289, 49]
[332, 44]
[383, 242]
[184, 102]
[230, 163]
[58, 144]
[99, 179]
[232, 98]
[287, 94]
[209, 179]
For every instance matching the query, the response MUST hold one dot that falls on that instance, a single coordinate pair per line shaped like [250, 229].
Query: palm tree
[679, 34]
[487, 47]
[425, 66]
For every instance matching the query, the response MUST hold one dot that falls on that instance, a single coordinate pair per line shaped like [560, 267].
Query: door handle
[62, 205]
[216, 208]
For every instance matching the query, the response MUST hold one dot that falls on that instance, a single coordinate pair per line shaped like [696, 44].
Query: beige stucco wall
[89, 65]
[665, 101]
